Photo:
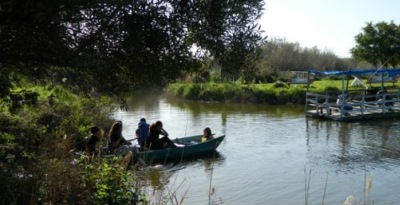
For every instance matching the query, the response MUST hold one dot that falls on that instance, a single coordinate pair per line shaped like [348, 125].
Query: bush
[280, 84]
[276, 93]
[79, 182]
[331, 89]
[36, 140]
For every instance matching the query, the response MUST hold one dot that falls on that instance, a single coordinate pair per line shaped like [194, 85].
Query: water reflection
[266, 149]
[198, 108]
[158, 180]
[359, 146]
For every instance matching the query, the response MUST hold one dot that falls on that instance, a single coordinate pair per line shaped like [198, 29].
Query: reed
[350, 200]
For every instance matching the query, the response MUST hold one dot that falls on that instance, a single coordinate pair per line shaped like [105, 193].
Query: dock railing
[353, 104]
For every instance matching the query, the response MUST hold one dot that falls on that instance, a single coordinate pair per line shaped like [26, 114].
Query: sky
[330, 25]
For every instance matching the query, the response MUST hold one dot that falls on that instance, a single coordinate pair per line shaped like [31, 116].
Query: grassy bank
[230, 92]
[274, 93]
[271, 93]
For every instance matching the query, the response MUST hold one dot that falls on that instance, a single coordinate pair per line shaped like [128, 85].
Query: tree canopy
[378, 44]
[122, 44]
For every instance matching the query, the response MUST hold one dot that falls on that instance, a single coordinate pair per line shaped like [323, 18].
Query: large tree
[378, 44]
[232, 35]
[119, 43]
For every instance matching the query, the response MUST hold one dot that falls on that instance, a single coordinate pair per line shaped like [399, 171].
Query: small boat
[192, 147]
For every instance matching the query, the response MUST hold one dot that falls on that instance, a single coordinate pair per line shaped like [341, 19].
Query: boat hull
[193, 148]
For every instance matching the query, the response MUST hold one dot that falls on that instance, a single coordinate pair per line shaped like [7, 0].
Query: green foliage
[378, 44]
[71, 181]
[326, 85]
[232, 35]
[5, 85]
[279, 55]
[269, 93]
[280, 84]
[192, 91]
[20, 97]
[331, 89]
[265, 76]
[137, 42]
[35, 156]
[229, 92]
[109, 181]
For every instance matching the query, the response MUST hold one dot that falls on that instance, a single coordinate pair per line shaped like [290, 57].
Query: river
[273, 154]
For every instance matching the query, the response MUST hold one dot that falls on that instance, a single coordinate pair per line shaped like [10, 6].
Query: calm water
[271, 153]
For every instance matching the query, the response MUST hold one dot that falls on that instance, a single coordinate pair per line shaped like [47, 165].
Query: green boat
[193, 147]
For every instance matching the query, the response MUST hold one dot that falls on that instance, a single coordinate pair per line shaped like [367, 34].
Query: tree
[233, 37]
[280, 55]
[378, 44]
[118, 44]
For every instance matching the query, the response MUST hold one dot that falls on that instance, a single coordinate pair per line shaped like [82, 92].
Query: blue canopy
[389, 72]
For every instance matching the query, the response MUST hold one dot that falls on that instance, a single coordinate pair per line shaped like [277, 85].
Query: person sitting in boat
[118, 144]
[93, 141]
[206, 134]
[155, 142]
[142, 133]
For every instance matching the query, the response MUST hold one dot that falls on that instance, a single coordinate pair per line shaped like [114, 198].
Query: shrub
[331, 89]
[36, 164]
[223, 92]
[280, 84]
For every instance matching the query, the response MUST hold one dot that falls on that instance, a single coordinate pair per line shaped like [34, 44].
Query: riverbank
[271, 93]
[277, 93]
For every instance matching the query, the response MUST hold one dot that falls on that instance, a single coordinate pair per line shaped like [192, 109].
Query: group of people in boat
[152, 136]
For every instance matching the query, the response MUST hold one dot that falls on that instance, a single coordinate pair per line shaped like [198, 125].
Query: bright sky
[327, 24]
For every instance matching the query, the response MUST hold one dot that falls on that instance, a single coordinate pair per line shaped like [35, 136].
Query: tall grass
[353, 200]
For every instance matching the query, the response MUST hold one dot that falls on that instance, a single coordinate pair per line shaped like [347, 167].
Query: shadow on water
[213, 157]
[144, 99]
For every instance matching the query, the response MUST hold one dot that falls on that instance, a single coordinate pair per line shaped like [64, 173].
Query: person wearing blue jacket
[142, 133]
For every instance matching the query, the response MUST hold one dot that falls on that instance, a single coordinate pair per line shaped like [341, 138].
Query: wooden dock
[353, 107]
